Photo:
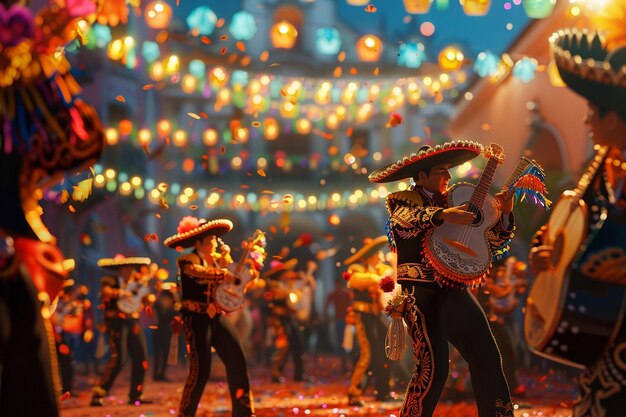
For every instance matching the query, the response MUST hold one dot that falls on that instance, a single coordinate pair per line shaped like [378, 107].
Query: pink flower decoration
[387, 283]
[188, 223]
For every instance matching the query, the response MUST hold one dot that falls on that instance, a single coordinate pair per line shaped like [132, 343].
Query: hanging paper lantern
[538, 9]
[288, 109]
[524, 69]
[486, 64]
[328, 40]
[369, 48]
[271, 129]
[189, 84]
[417, 6]
[243, 26]
[475, 7]
[303, 126]
[150, 51]
[102, 35]
[180, 138]
[203, 20]
[172, 65]
[411, 55]
[283, 35]
[156, 71]
[239, 77]
[197, 68]
[218, 77]
[158, 14]
[210, 137]
[450, 58]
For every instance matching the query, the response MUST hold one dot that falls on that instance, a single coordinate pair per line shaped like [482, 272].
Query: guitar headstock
[494, 151]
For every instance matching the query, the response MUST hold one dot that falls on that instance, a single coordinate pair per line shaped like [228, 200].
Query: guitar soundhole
[480, 218]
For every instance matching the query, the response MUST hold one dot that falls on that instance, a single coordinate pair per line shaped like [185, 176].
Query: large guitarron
[462, 254]
[570, 316]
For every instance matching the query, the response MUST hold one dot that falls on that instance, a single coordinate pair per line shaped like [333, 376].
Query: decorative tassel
[395, 341]
[348, 337]
[530, 186]
[172, 354]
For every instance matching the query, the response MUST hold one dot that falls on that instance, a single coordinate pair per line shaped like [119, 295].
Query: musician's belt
[365, 307]
[116, 314]
[412, 272]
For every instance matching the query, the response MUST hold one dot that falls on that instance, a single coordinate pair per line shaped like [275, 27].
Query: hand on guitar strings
[458, 215]
[540, 258]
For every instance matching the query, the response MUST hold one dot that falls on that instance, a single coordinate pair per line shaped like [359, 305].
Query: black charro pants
[161, 340]
[370, 332]
[125, 338]
[26, 352]
[434, 316]
[288, 340]
[202, 332]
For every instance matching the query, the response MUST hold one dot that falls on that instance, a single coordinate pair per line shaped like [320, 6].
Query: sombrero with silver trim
[453, 153]
[592, 67]
[190, 229]
[370, 247]
[120, 260]
[279, 267]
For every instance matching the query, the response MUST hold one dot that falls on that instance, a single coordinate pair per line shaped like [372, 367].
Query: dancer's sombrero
[278, 267]
[370, 247]
[453, 153]
[593, 64]
[190, 229]
[120, 260]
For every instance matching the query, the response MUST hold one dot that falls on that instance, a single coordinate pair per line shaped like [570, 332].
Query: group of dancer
[433, 270]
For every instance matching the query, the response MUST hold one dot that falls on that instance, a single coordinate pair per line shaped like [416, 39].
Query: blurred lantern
[210, 137]
[486, 64]
[197, 68]
[270, 128]
[188, 165]
[115, 51]
[322, 95]
[150, 51]
[172, 65]
[504, 69]
[180, 138]
[256, 103]
[411, 55]
[239, 77]
[332, 121]
[218, 77]
[475, 7]
[450, 58]
[328, 40]
[164, 128]
[203, 20]
[241, 134]
[303, 126]
[158, 14]
[524, 69]
[369, 48]
[554, 76]
[538, 9]
[334, 220]
[189, 84]
[125, 127]
[223, 97]
[283, 35]
[111, 136]
[102, 35]
[156, 71]
[417, 6]
[144, 137]
[288, 109]
[242, 26]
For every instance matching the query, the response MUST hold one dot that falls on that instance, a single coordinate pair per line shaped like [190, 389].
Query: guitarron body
[132, 303]
[571, 317]
[462, 253]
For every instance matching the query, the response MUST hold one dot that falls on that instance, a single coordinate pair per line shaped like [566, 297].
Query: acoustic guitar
[137, 289]
[571, 317]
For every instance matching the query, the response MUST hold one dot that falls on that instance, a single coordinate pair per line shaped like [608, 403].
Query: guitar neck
[482, 188]
[590, 172]
[517, 172]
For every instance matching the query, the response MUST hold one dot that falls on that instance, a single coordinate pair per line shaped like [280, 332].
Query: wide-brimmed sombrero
[453, 153]
[592, 66]
[370, 247]
[120, 260]
[190, 229]
[277, 267]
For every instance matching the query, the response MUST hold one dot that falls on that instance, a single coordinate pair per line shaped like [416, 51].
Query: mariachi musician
[592, 331]
[123, 294]
[365, 271]
[47, 132]
[201, 272]
[284, 299]
[436, 309]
